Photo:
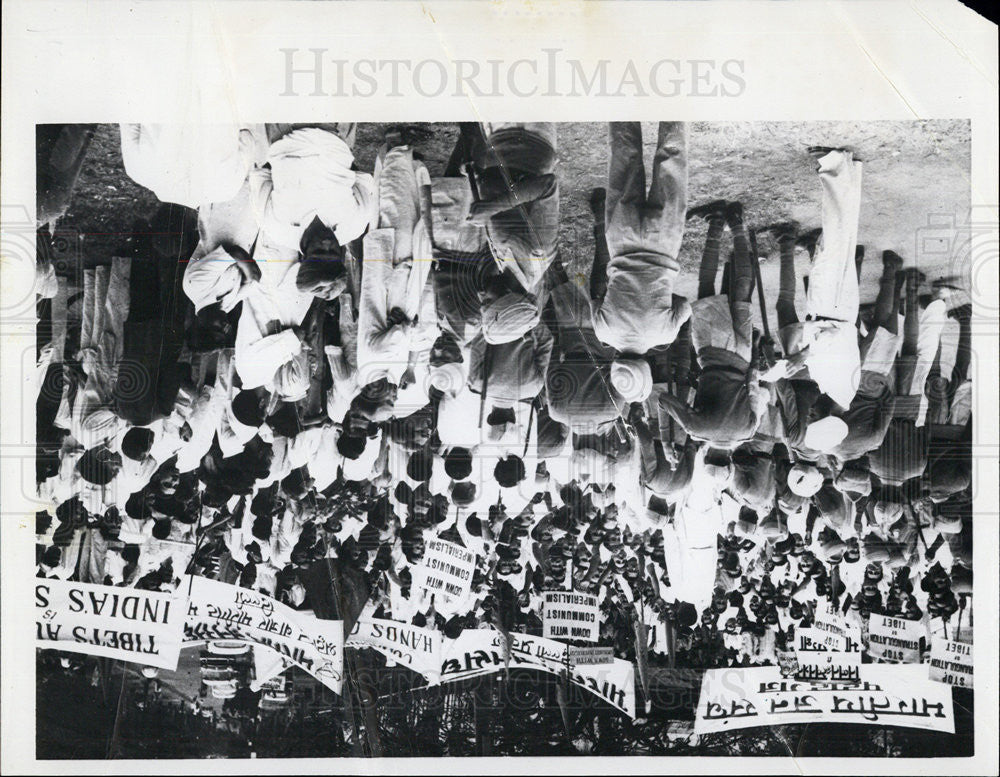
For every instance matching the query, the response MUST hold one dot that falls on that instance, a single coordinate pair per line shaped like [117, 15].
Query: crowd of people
[295, 362]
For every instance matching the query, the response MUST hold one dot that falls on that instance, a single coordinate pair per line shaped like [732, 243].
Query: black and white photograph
[503, 439]
[475, 439]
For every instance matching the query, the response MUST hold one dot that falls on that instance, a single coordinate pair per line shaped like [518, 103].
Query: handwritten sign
[825, 655]
[413, 647]
[830, 619]
[446, 572]
[570, 615]
[479, 651]
[951, 662]
[219, 611]
[894, 640]
[143, 627]
[883, 695]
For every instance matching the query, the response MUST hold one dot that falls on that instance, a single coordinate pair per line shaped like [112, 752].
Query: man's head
[804, 480]
[826, 434]
[137, 442]
[509, 471]
[458, 463]
[463, 494]
[412, 538]
[413, 431]
[719, 465]
[632, 378]
[509, 318]
[420, 465]
[167, 479]
[499, 419]
[376, 398]
[161, 528]
[323, 278]
[249, 407]
[321, 271]
[297, 484]
[350, 446]
[448, 378]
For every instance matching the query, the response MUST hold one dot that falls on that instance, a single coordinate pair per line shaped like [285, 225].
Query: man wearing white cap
[638, 309]
[804, 480]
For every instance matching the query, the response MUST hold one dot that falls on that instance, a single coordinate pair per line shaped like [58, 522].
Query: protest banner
[143, 627]
[445, 572]
[825, 655]
[221, 611]
[830, 619]
[414, 647]
[900, 695]
[478, 652]
[951, 662]
[580, 656]
[267, 665]
[894, 640]
[570, 615]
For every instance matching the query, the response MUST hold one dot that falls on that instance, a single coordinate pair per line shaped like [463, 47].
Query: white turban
[887, 513]
[854, 481]
[310, 175]
[632, 379]
[99, 426]
[291, 382]
[948, 524]
[509, 318]
[213, 278]
[721, 473]
[804, 480]
[826, 434]
[448, 378]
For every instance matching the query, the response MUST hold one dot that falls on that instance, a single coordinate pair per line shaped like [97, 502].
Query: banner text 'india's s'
[144, 627]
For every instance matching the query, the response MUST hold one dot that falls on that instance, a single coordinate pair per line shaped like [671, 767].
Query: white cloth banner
[570, 615]
[885, 695]
[951, 662]
[219, 611]
[411, 646]
[478, 652]
[143, 627]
